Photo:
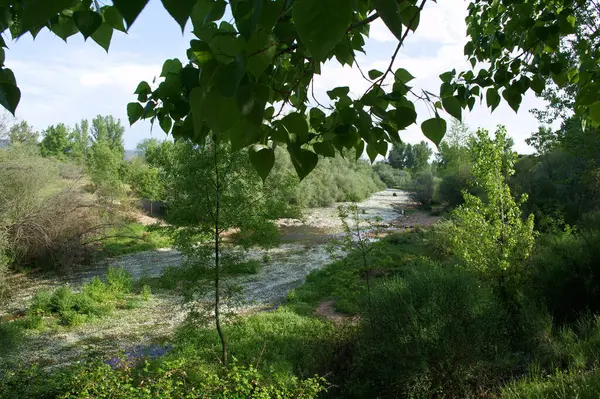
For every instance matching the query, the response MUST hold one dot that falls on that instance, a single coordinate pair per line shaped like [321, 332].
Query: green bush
[135, 237]
[279, 340]
[246, 267]
[434, 331]
[392, 177]
[566, 272]
[173, 379]
[423, 188]
[96, 299]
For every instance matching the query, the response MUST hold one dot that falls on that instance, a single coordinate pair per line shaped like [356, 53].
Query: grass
[66, 307]
[250, 266]
[560, 385]
[281, 340]
[134, 237]
[343, 280]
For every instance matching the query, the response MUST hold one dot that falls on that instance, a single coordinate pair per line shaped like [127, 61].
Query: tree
[489, 235]
[22, 133]
[104, 165]
[407, 156]
[55, 142]
[108, 130]
[211, 191]
[267, 59]
[79, 141]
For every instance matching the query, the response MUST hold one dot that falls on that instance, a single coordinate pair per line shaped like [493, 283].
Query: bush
[392, 177]
[247, 267]
[434, 331]
[44, 219]
[281, 340]
[566, 271]
[172, 379]
[423, 188]
[96, 299]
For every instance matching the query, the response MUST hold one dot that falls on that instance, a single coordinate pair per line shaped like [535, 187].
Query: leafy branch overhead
[242, 75]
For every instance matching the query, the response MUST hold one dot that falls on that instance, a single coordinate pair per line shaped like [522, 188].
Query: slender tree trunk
[217, 264]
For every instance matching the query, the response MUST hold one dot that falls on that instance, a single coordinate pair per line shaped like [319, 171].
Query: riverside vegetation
[500, 299]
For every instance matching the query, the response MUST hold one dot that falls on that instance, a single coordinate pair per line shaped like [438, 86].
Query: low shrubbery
[134, 237]
[430, 330]
[69, 308]
[171, 379]
[565, 272]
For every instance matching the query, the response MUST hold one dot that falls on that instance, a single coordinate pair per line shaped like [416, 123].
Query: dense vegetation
[499, 299]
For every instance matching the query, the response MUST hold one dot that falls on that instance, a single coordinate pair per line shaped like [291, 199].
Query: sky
[67, 82]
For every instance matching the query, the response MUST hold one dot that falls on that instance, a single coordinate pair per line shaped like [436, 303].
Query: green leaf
[324, 148]
[492, 98]
[538, 84]
[219, 112]
[87, 22]
[513, 97]
[360, 148]
[114, 18]
[180, 10]
[143, 90]
[206, 11]
[304, 161]
[10, 95]
[410, 17]
[434, 129]
[452, 106]
[260, 50]
[338, 92]
[130, 9]
[372, 151]
[251, 100]
[402, 75]
[103, 35]
[36, 13]
[64, 27]
[171, 66]
[446, 77]
[374, 74]
[595, 112]
[262, 158]
[321, 25]
[405, 117]
[165, 124]
[297, 127]
[134, 112]
[390, 14]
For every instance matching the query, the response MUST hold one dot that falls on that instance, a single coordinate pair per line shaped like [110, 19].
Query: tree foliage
[408, 156]
[489, 235]
[55, 141]
[241, 74]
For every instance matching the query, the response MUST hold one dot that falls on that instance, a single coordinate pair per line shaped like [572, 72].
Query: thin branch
[379, 82]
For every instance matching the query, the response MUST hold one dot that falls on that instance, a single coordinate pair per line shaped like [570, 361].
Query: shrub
[246, 267]
[45, 220]
[566, 272]
[434, 331]
[392, 177]
[279, 340]
[423, 188]
[96, 299]
[172, 379]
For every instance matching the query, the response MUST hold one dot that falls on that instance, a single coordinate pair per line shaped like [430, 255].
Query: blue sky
[67, 82]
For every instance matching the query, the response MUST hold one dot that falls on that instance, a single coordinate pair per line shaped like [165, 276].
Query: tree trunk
[217, 265]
